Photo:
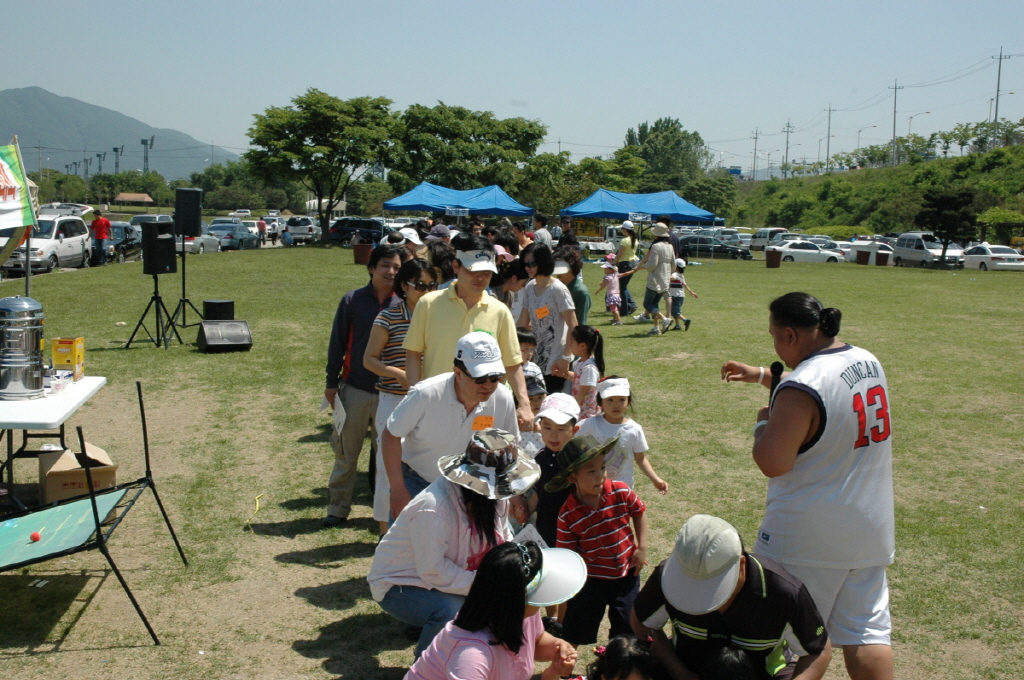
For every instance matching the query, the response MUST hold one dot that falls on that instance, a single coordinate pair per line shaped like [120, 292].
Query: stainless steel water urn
[21, 348]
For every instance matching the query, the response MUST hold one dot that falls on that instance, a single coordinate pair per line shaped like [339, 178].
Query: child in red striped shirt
[594, 522]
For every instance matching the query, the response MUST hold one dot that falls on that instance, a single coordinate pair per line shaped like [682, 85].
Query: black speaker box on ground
[224, 336]
[158, 248]
[188, 211]
[219, 310]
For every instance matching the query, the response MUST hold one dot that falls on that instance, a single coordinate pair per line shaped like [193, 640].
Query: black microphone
[776, 370]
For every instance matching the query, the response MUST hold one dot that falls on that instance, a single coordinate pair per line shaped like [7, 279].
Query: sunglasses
[420, 286]
[491, 378]
[529, 263]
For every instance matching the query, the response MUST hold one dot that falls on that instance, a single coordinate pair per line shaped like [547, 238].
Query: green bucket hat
[574, 455]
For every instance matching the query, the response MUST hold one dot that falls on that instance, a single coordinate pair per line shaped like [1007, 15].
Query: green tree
[1004, 221]
[715, 193]
[673, 155]
[948, 213]
[367, 196]
[322, 142]
[460, 149]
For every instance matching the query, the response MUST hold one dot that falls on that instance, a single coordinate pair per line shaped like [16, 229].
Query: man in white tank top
[825, 444]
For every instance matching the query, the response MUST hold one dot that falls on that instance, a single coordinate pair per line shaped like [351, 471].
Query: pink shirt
[611, 283]
[457, 654]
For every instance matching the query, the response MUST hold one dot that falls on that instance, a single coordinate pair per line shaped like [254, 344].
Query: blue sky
[588, 70]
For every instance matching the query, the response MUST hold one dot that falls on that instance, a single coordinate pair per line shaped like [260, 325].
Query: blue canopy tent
[483, 201]
[642, 207]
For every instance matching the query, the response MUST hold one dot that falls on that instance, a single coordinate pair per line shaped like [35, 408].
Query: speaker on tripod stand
[157, 258]
[188, 221]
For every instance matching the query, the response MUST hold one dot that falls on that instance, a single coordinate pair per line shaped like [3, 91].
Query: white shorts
[853, 602]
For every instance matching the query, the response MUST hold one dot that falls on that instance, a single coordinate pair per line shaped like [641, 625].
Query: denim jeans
[651, 301]
[99, 246]
[413, 482]
[626, 305]
[422, 607]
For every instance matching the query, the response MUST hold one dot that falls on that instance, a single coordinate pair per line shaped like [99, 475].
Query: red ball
[35, 536]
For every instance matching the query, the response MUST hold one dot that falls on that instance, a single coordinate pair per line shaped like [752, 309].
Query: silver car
[197, 245]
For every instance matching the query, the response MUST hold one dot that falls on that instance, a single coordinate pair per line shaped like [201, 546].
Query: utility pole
[87, 160]
[753, 172]
[895, 88]
[118, 151]
[999, 76]
[100, 157]
[828, 141]
[147, 144]
[785, 162]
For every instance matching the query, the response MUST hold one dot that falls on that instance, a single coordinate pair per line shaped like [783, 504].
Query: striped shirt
[602, 535]
[395, 321]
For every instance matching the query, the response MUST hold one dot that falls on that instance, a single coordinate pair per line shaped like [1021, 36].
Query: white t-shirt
[549, 328]
[619, 460]
[432, 423]
[834, 509]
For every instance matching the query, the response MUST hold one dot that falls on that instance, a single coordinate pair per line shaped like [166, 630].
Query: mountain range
[55, 131]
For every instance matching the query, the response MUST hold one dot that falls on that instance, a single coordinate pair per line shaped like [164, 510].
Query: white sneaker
[665, 324]
[642, 318]
[656, 330]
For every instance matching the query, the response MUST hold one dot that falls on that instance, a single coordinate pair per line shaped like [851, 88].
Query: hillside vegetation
[883, 199]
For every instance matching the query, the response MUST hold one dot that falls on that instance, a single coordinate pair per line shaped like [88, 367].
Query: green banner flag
[15, 202]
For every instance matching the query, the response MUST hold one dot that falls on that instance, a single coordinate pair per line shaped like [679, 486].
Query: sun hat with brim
[559, 408]
[659, 230]
[562, 575]
[492, 465]
[561, 267]
[702, 572]
[410, 235]
[613, 387]
[575, 454]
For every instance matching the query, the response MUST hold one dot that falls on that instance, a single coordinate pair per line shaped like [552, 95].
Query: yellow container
[69, 355]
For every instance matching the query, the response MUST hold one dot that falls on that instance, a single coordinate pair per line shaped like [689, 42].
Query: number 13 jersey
[834, 509]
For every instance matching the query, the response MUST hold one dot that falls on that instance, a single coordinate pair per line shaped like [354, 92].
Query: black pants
[584, 612]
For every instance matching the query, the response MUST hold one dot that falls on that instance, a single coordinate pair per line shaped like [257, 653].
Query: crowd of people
[505, 457]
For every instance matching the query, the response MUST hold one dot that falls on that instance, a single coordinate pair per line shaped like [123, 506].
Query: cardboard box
[69, 355]
[60, 475]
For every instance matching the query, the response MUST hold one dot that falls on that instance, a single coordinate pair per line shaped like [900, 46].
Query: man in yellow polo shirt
[444, 316]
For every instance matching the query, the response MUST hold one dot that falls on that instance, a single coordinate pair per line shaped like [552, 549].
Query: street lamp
[861, 130]
[910, 120]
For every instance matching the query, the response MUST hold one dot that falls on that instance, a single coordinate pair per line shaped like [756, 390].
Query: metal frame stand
[184, 303]
[157, 304]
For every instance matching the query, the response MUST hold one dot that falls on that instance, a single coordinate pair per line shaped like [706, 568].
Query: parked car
[302, 228]
[762, 236]
[709, 246]
[235, 236]
[273, 224]
[369, 230]
[849, 250]
[207, 242]
[138, 220]
[987, 256]
[242, 212]
[804, 251]
[251, 226]
[55, 209]
[62, 241]
[744, 241]
[125, 243]
[922, 249]
[225, 220]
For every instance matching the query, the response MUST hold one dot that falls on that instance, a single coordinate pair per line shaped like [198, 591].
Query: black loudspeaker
[219, 310]
[188, 211]
[158, 248]
[224, 336]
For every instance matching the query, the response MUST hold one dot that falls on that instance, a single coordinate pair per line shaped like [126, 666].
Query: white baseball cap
[680, 263]
[613, 387]
[701, 573]
[480, 353]
[477, 260]
[626, 225]
[410, 235]
[560, 408]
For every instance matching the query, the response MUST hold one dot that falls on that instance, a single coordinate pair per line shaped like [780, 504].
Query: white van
[762, 236]
[61, 241]
[922, 249]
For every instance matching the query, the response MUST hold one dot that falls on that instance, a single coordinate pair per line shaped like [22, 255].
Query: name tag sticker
[542, 312]
[483, 422]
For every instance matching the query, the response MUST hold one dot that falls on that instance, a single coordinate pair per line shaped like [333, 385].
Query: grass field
[281, 598]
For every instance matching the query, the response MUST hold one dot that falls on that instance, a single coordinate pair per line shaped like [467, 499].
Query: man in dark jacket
[349, 381]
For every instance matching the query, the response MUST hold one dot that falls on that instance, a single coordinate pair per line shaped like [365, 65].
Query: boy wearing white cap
[715, 593]
[677, 295]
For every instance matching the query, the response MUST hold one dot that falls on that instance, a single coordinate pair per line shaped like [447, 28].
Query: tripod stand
[184, 303]
[156, 303]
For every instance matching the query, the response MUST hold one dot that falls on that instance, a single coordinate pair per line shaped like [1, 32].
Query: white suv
[922, 249]
[59, 241]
